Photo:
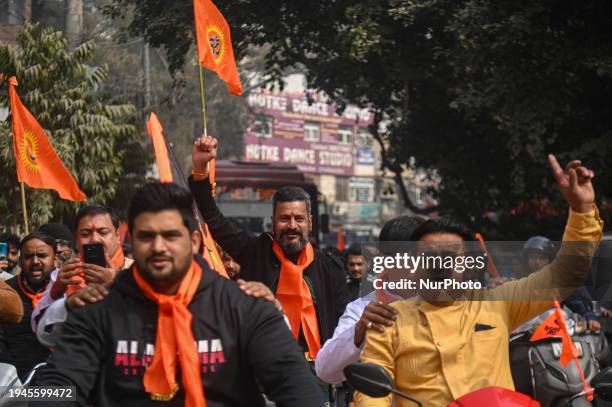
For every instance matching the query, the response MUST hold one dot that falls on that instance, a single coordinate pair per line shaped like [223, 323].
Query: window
[365, 139]
[312, 132]
[345, 135]
[264, 126]
[361, 190]
[342, 189]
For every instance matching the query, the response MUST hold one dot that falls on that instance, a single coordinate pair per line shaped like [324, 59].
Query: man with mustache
[94, 224]
[18, 344]
[310, 285]
[172, 332]
[443, 345]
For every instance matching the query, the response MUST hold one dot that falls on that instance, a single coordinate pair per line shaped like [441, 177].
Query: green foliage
[90, 135]
[480, 91]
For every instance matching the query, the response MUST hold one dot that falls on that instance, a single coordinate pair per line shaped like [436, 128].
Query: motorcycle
[374, 381]
[537, 370]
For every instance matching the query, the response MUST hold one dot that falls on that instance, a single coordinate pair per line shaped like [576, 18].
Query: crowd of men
[161, 327]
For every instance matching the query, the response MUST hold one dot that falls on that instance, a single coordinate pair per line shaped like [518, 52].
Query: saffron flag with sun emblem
[37, 163]
[214, 44]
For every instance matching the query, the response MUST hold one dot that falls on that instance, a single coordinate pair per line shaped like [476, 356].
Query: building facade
[335, 150]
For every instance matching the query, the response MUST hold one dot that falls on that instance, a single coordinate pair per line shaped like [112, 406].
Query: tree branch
[396, 168]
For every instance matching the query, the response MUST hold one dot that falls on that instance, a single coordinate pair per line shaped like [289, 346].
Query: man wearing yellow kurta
[435, 351]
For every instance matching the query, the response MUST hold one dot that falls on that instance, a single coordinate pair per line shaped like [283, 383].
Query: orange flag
[37, 163]
[165, 159]
[214, 44]
[490, 265]
[554, 327]
[340, 244]
[155, 130]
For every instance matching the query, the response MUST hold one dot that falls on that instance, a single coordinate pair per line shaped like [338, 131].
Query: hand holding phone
[94, 254]
[97, 269]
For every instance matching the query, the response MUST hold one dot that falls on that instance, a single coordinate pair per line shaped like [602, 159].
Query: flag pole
[202, 99]
[25, 209]
[211, 164]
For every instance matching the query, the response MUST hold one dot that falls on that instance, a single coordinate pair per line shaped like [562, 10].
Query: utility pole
[146, 61]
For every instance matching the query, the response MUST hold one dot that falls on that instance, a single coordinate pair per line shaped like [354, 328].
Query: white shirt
[340, 351]
[6, 275]
[45, 300]
[58, 313]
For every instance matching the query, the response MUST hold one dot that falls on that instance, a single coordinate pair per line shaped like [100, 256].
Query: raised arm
[532, 295]
[239, 243]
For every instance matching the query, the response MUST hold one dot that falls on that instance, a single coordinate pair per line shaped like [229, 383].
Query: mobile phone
[94, 254]
[3, 255]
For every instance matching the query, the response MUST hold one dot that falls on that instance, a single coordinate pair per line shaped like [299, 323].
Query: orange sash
[117, 261]
[35, 297]
[294, 294]
[174, 333]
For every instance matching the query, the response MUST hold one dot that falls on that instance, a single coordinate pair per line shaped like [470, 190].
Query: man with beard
[18, 344]
[172, 332]
[94, 224]
[444, 345]
[310, 285]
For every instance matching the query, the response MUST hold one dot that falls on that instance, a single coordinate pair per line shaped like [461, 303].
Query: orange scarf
[294, 294]
[117, 261]
[174, 333]
[35, 297]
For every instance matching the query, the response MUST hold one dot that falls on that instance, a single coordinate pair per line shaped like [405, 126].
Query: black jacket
[353, 285]
[259, 263]
[242, 341]
[18, 343]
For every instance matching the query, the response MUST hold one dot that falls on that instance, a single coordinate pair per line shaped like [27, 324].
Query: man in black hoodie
[209, 344]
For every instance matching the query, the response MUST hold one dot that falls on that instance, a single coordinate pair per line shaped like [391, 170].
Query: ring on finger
[369, 324]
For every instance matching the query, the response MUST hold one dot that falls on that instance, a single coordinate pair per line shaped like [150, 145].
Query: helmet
[539, 244]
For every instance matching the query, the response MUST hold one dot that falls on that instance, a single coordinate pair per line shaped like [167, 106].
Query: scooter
[374, 381]
[537, 370]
